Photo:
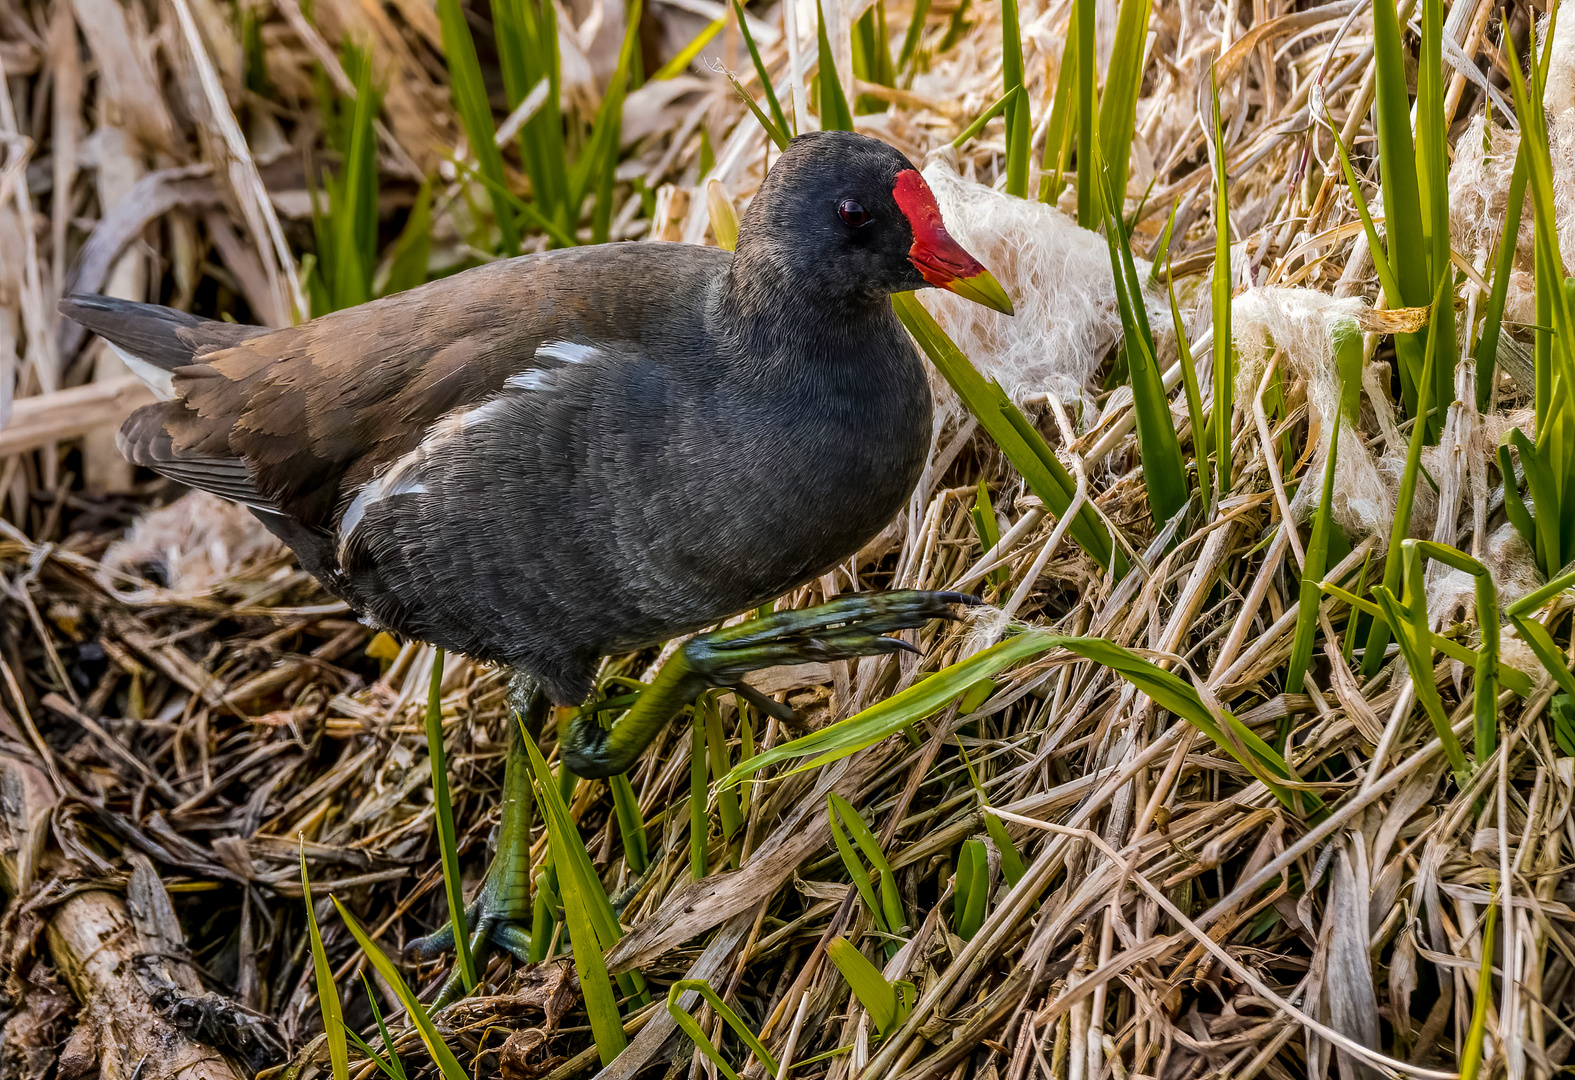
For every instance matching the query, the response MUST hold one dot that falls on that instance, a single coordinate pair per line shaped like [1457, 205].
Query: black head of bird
[846, 218]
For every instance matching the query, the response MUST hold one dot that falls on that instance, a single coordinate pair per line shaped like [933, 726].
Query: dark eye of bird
[852, 213]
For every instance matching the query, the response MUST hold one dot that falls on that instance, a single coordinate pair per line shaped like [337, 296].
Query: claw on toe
[768, 706]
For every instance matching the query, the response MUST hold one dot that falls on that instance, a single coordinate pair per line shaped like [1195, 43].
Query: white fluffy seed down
[1300, 323]
[1058, 277]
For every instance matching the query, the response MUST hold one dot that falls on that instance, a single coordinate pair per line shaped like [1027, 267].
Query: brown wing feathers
[293, 420]
[143, 439]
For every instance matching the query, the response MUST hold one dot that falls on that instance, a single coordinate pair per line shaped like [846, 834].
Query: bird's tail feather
[153, 340]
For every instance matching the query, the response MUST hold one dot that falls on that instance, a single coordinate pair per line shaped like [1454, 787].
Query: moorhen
[562, 456]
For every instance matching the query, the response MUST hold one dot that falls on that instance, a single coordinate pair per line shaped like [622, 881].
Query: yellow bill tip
[982, 288]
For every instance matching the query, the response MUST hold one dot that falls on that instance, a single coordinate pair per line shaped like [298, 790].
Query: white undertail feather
[155, 378]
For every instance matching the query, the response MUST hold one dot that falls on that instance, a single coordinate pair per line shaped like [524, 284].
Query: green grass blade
[956, 27]
[928, 696]
[1058, 133]
[1312, 574]
[1353, 625]
[962, 882]
[1408, 250]
[1166, 235]
[1118, 107]
[1397, 159]
[571, 865]
[1514, 505]
[780, 124]
[371, 1055]
[453, 885]
[1486, 351]
[1512, 678]
[999, 106]
[1164, 471]
[731, 1018]
[855, 867]
[1375, 248]
[594, 172]
[1224, 343]
[1169, 692]
[525, 33]
[989, 531]
[413, 249]
[447, 1064]
[1535, 599]
[1550, 268]
[874, 991]
[391, 1065]
[552, 228]
[1195, 414]
[973, 898]
[1542, 339]
[685, 56]
[354, 218]
[327, 992]
[1088, 209]
[475, 115]
[1485, 690]
[1536, 636]
[723, 216]
[631, 826]
[543, 916]
[884, 69]
[890, 906]
[1021, 444]
[1432, 169]
[699, 820]
[1420, 661]
[983, 517]
[1543, 487]
[716, 747]
[872, 56]
[834, 112]
[1476, 1033]
[890, 716]
[1019, 125]
[571, 860]
[1400, 528]
[910, 40]
[1012, 868]
[586, 911]
[777, 134]
[1408, 347]
[511, 36]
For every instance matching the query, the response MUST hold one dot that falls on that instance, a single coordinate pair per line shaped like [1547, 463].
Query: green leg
[840, 630]
[844, 628]
[501, 911]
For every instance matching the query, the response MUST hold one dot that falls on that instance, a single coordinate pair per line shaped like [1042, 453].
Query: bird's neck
[771, 311]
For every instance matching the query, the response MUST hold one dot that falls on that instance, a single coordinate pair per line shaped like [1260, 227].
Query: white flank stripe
[567, 352]
[534, 379]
